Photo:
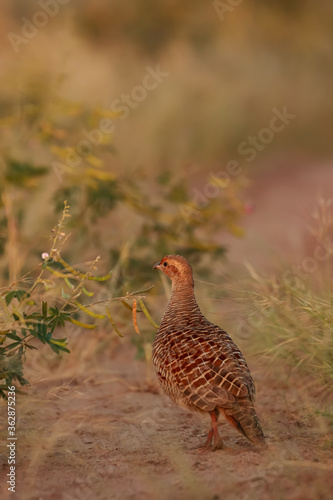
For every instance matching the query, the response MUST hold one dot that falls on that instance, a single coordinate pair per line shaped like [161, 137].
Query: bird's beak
[157, 265]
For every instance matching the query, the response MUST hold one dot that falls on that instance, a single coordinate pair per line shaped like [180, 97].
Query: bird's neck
[182, 303]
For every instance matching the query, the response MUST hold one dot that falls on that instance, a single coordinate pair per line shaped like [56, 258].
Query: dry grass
[287, 326]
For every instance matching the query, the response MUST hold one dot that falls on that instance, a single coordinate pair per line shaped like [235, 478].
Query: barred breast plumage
[197, 363]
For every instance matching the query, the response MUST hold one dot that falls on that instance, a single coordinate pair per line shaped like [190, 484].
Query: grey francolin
[197, 363]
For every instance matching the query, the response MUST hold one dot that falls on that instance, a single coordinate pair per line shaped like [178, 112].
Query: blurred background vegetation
[64, 64]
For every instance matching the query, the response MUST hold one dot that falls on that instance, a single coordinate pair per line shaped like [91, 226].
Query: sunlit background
[198, 128]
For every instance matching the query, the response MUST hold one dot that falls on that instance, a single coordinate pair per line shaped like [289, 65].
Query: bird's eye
[165, 264]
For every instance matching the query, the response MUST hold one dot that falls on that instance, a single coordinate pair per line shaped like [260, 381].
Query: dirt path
[283, 201]
[108, 434]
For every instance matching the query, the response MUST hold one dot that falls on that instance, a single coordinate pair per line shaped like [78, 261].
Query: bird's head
[177, 268]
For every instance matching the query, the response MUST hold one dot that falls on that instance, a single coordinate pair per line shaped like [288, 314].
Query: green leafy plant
[58, 293]
[131, 216]
[151, 202]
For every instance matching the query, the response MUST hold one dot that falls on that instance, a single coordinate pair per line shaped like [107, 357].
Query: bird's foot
[213, 441]
[217, 444]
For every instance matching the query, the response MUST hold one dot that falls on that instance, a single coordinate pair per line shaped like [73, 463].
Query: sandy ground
[106, 432]
[277, 230]
[109, 434]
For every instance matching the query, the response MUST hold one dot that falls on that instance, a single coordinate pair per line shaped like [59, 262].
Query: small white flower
[45, 256]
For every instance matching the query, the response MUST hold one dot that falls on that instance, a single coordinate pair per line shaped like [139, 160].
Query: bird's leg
[217, 441]
[213, 437]
[209, 439]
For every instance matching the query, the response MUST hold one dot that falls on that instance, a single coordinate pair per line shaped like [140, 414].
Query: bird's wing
[208, 372]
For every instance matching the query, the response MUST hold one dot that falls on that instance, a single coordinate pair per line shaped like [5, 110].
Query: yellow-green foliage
[290, 316]
[129, 217]
[296, 325]
[38, 305]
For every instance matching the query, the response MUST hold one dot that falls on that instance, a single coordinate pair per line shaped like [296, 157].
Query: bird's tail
[244, 418]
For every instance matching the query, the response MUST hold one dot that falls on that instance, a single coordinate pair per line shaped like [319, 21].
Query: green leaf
[84, 325]
[13, 336]
[57, 318]
[52, 263]
[19, 294]
[44, 309]
[146, 313]
[64, 294]
[113, 323]
[21, 173]
[11, 346]
[100, 278]
[89, 294]
[62, 348]
[59, 342]
[69, 284]
[42, 328]
[30, 346]
[87, 311]
[56, 273]
[54, 348]
[74, 272]
[125, 304]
